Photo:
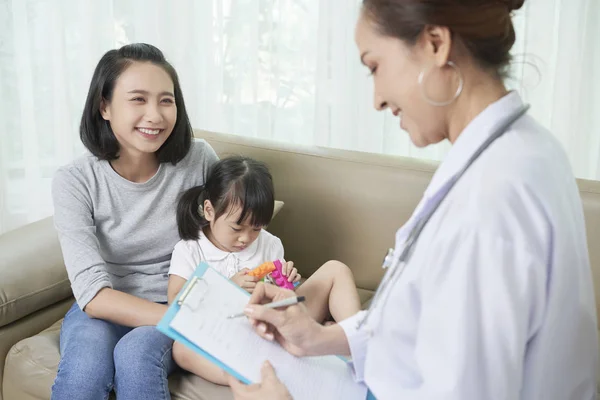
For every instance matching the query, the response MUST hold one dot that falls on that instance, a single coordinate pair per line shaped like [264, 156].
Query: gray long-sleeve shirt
[119, 234]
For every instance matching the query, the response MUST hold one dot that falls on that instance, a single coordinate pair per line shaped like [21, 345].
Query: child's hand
[291, 272]
[245, 281]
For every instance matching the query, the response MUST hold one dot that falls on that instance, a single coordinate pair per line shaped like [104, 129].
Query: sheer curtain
[286, 70]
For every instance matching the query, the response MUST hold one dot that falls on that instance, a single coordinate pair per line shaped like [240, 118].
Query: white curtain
[286, 70]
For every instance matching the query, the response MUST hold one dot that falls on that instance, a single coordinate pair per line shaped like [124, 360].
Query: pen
[282, 303]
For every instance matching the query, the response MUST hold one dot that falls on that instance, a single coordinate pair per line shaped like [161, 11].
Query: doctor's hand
[270, 387]
[293, 327]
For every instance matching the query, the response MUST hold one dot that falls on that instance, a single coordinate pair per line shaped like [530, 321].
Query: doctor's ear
[436, 42]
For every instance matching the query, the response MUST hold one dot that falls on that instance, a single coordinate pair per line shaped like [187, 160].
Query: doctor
[488, 293]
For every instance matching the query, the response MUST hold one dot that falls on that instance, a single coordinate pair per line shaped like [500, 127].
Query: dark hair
[484, 26]
[96, 133]
[232, 181]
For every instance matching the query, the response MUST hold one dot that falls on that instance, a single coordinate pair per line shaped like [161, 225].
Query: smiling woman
[142, 120]
[115, 215]
[134, 96]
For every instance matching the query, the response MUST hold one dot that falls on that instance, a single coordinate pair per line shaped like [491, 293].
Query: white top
[189, 253]
[496, 301]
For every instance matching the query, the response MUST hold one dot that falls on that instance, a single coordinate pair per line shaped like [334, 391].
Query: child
[222, 224]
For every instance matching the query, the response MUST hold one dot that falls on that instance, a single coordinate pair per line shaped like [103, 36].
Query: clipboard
[327, 369]
[164, 324]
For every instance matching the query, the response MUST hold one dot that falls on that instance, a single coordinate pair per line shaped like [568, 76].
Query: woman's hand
[245, 281]
[292, 327]
[291, 272]
[270, 387]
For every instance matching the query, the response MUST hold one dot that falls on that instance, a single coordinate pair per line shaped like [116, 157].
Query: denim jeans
[98, 356]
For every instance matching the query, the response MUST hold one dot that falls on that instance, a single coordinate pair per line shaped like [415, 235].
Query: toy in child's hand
[262, 270]
[275, 268]
[279, 278]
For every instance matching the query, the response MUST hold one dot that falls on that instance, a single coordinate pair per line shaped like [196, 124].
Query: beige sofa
[338, 205]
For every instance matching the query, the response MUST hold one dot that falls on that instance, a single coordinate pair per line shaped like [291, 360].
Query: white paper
[203, 320]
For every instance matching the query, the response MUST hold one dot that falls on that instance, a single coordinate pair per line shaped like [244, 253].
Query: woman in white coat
[488, 293]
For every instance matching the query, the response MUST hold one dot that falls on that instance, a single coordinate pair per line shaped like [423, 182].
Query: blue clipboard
[164, 324]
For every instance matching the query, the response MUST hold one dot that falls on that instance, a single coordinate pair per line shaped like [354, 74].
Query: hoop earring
[453, 99]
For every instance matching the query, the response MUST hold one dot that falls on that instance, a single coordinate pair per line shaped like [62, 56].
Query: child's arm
[184, 260]
[175, 285]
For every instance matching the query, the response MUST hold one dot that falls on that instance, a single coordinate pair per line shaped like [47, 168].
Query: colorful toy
[279, 278]
[263, 270]
[275, 268]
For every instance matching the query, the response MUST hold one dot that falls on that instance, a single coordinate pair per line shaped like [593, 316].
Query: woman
[114, 211]
[488, 293]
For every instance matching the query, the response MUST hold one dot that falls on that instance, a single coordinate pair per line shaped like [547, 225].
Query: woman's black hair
[233, 181]
[96, 133]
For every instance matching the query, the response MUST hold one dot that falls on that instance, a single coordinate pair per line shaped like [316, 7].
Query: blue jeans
[98, 356]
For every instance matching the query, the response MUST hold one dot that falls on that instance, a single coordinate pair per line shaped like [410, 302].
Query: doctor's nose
[379, 104]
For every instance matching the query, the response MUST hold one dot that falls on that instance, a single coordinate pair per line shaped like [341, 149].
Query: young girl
[114, 211]
[222, 224]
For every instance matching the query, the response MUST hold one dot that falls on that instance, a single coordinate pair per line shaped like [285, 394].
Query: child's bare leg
[198, 365]
[331, 290]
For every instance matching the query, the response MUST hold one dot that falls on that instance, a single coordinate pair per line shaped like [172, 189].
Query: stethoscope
[395, 265]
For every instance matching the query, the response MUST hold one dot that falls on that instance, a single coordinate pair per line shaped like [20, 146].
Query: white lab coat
[497, 300]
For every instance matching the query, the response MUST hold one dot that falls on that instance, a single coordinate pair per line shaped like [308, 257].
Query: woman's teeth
[149, 131]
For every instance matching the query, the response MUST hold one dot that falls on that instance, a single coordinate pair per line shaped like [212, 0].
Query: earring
[458, 90]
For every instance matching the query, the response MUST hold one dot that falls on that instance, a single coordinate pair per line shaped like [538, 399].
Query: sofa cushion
[23, 328]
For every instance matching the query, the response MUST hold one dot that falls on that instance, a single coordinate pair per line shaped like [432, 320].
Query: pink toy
[278, 278]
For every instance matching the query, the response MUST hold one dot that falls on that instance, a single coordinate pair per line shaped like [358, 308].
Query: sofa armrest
[32, 271]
